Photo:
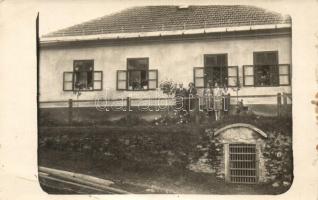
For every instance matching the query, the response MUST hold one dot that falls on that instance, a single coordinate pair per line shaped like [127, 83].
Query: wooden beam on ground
[81, 179]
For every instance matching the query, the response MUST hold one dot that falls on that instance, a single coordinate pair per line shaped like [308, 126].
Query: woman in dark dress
[192, 92]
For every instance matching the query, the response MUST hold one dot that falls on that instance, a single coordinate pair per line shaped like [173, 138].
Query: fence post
[128, 104]
[227, 102]
[197, 110]
[284, 103]
[285, 98]
[70, 111]
[279, 104]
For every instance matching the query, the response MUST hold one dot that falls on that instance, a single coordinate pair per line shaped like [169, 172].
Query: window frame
[205, 66]
[157, 85]
[129, 70]
[74, 61]
[101, 80]
[72, 81]
[244, 84]
[93, 77]
[236, 76]
[289, 75]
[127, 76]
[204, 77]
[117, 80]
[277, 65]
[271, 65]
[195, 77]
[126, 80]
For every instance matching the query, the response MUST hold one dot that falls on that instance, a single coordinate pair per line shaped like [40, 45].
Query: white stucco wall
[174, 60]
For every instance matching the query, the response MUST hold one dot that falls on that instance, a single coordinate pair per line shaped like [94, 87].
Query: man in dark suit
[181, 94]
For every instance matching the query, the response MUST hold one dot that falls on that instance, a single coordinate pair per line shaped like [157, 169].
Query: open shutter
[121, 80]
[232, 79]
[198, 77]
[248, 75]
[152, 79]
[98, 80]
[284, 74]
[68, 81]
[274, 71]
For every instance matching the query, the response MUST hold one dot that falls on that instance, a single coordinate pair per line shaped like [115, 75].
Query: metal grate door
[242, 163]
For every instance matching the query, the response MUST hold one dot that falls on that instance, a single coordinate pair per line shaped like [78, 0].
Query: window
[216, 70]
[266, 68]
[83, 74]
[137, 73]
[266, 71]
[83, 77]
[137, 77]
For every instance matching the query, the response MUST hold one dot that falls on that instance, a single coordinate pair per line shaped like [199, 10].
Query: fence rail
[289, 95]
[231, 104]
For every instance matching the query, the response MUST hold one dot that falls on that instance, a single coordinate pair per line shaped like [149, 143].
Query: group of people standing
[212, 98]
[185, 97]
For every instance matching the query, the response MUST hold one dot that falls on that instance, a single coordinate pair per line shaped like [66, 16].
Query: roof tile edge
[161, 33]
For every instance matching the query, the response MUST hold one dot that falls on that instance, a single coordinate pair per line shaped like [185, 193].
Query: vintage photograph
[167, 99]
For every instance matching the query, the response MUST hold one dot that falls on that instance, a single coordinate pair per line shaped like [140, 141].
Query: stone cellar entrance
[242, 158]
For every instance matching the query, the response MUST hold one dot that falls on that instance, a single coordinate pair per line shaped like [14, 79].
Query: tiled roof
[169, 18]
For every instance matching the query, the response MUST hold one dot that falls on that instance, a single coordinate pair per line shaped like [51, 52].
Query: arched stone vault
[242, 137]
[241, 125]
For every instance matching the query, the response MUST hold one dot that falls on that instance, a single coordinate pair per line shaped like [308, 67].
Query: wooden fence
[128, 104]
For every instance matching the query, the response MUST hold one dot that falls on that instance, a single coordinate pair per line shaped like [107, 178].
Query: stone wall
[274, 153]
[242, 134]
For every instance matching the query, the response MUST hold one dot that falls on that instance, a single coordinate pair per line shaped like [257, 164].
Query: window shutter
[152, 79]
[198, 77]
[274, 75]
[284, 74]
[68, 81]
[121, 79]
[248, 75]
[232, 79]
[98, 80]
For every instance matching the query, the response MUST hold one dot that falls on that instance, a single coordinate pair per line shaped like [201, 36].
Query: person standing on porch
[208, 100]
[218, 95]
[225, 101]
[181, 94]
[192, 92]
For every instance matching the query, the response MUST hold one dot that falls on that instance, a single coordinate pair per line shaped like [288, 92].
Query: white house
[131, 52]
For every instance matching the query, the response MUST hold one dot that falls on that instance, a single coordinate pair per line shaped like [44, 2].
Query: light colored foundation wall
[243, 135]
[174, 61]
